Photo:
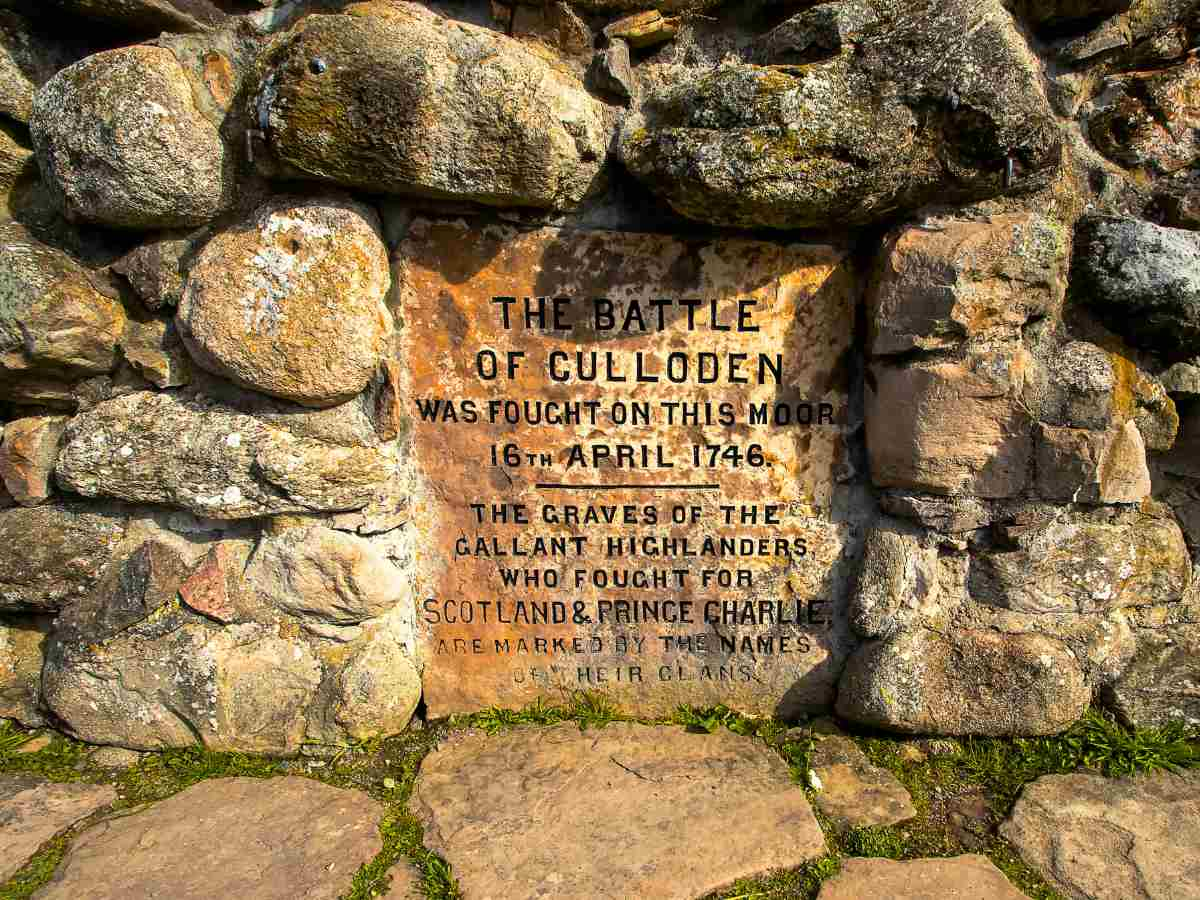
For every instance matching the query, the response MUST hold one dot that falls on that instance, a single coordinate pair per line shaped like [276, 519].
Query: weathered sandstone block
[27, 457]
[951, 427]
[1092, 466]
[947, 281]
[56, 325]
[799, 299]
[290, 301]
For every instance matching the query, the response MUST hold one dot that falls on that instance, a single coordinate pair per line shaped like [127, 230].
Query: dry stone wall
[361, 360]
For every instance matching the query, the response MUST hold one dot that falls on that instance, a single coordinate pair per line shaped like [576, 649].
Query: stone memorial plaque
[627, 449]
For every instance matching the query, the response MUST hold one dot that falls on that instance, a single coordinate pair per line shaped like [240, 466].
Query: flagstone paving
[277, 839]
[623, 811]
[968, 877]
[854, 792]
[1097, 838]
[558, 813]
[33, 811]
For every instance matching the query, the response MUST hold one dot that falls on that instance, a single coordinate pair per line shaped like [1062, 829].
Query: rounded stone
[380, 689]
[290, 301]
[119, 139]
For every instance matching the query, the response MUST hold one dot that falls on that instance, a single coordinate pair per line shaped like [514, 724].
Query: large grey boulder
[290, 301]
[74, 543]
[1141, 279]
[396, 99]
[178, 678]
[965, 681]
[122, 143]
[937, 96]
[1162, 682]
[191, 452]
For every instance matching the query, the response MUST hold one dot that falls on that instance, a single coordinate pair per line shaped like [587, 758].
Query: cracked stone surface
[270, 839]
[968, 876]
[32, 811]
[1097, 838]
[855, 792]
[623, 811]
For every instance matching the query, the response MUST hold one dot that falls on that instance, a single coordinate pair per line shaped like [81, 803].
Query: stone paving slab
[1097, 838]
[607, 814]
[266, 839]
[32, 811]
[855, 792]
[967, 877]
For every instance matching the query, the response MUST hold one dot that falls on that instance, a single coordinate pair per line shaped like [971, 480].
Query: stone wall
[244, 243]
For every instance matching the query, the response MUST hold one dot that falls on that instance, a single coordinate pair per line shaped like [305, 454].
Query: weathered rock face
[951, 427]
[964, 682]
[828, 145]
[465, 789]
[27, 61]
[73, 544]
[897, 578]
[1109, 838]
[176, 678]
[948, 281]
[398, 100]
[21, 641]
[824, 30]
[56, 326]
[1081, 566]
[1092, 466]
[1162, 682]
[27, 457]
[155, 270]
[290, 302]
[318, 573]
[196, 454]
[121, 142]
[1142, 279]
[378, 690]
[1148, 120]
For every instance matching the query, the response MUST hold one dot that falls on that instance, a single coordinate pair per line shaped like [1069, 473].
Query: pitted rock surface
[120, 140]
[32, 811]
[855, 792]
[290, 301]
[1097, 838]
[968, 876]
[532, 812]
[274, 839]
[823, 144]
[410, 103]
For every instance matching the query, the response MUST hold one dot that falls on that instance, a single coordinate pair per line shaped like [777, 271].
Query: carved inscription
[629, 448]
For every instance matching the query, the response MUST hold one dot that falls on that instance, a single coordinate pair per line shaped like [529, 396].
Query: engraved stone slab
[605, 814]
[628, 448]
